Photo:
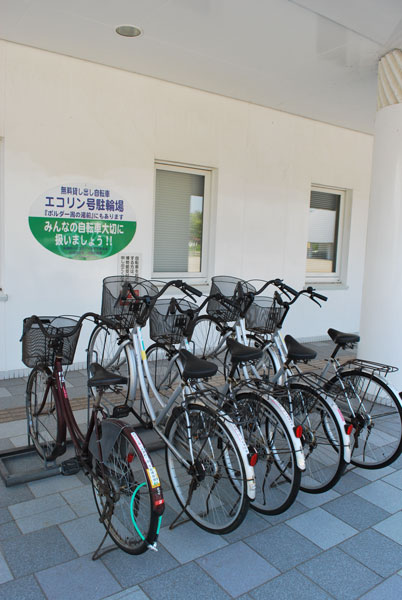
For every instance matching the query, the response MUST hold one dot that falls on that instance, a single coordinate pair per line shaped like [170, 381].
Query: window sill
[327, 285]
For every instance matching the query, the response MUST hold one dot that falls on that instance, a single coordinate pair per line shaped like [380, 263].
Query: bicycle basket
[264, 315]
[170, 328]
[120, 300]
[38, 348]
[229, 288]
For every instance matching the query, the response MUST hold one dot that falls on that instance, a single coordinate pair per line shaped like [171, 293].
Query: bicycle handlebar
[35, 320]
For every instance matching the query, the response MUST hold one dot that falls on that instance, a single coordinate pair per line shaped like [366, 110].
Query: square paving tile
[185, 582]
[394, 479]
[391, 527]
[377, 552]
[132, 570]
[52, 485]
[322, 528]
[390, 589]
[132, 593]
[340, 575]
[290, 585]
[349, 482]
[85, 534]
[382, 494]
[5, 573]
[187, 541]
[314, 500]
[14, 494]
[34, 507]
[374, 474]
[237, 568]
[295, 509]
[24, 588]
[81, 500]
[8, 530]
[253, 523]
[36, 551]
[356, 511]
[46, 519]
[282, 546]
[5, 515]
[80, 578]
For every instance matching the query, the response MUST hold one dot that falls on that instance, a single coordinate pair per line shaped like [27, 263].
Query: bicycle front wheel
[208, 340]
[104, 349]
[375, 412]
[212, 490]
[45, 429]
[127, 489]
[322, 439]
[265, 432]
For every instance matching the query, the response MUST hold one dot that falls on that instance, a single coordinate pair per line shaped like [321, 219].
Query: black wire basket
[37, 348]
[121, 303]
[264, 315]
[167, 328]
[233, 289]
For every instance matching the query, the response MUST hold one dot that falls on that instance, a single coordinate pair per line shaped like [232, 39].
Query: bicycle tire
[277, 473]
[207, 340]
[126, 489]
[266, 366]
[213, 491]
[165, 373]
[322, 439]
[102, 348]
[376, 440]
[46, 430]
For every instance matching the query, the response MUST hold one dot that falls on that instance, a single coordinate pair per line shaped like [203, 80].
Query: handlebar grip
[289, 289]
[320, 296]
[191, 290]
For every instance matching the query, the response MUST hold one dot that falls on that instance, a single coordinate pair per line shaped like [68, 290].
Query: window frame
[200, 277]
[342, 236]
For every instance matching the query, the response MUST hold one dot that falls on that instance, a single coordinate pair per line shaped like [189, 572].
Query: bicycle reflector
[348, 428]
[130, 457]
[298, 431]
[252, 456]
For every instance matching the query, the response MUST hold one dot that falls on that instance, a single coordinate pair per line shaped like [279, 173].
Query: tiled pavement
[344, 544]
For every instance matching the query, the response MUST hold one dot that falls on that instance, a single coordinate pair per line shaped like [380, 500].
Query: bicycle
[371, 406]
[207, 460]
[264, 424]
[126, 486]
[325, 440]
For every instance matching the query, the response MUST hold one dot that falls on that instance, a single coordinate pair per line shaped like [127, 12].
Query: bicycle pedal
[121, 411]
[70, 466]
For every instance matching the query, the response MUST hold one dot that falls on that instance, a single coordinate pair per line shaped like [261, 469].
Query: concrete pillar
[381, 316]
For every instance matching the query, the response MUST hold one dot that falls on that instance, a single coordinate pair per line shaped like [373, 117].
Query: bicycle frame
[139, 375]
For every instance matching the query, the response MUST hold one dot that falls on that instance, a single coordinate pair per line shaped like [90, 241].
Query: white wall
[66, 120]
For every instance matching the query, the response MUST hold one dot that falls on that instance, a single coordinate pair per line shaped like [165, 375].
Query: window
[325, 245]
[182, 204]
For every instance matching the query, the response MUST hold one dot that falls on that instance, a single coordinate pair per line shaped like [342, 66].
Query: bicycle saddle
[102, 378]
[242, 353]
[341, 338]
[297, 351]
[196, 368]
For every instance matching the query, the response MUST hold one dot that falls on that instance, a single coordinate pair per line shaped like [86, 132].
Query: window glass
[322, 245]
[180, 221]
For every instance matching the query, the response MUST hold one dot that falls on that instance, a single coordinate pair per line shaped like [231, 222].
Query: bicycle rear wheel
[127, 489]
[322, 439]
[208, 340]
[213, 490]
[45, 429]
[376, 415]
[265, 432]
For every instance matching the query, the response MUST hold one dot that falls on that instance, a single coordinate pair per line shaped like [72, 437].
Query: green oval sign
[82, 222]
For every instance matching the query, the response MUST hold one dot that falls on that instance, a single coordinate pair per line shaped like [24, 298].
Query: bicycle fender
[338, 414]
[109, 433]
[300, 458]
